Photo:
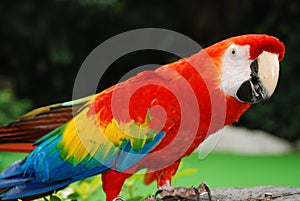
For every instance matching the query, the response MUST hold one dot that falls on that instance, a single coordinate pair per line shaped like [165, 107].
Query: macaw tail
[17, 181]
[44, 170]
[16, 185]
[20, 135]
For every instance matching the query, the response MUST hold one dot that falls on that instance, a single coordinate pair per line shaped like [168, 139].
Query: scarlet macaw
[101, 138]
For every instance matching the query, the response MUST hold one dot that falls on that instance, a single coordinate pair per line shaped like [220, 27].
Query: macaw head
[249, 66]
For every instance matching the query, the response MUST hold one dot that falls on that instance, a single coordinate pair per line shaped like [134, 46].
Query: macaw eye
[237, 52]
[233, 52]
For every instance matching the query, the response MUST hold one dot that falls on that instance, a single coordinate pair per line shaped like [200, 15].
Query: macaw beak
[263, 81]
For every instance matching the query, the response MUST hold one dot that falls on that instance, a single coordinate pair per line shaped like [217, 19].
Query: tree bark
[260, 193]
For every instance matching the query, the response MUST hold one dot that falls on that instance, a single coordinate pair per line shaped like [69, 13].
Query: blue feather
[15, 181]
[32, 188]
[128, 157]
[13, 170]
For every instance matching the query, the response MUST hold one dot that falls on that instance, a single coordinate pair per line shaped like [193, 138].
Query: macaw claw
[182, 193]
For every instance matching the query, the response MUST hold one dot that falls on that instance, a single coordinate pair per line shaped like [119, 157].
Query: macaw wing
[66, 155]
[20, 135]
[116, 145]
[92, 142]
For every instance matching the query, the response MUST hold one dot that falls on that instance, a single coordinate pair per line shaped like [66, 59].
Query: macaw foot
[183, 192]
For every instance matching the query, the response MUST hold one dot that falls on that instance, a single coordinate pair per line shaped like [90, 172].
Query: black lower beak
[252, 91]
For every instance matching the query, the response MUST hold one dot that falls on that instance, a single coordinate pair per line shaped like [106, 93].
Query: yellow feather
[85, 137]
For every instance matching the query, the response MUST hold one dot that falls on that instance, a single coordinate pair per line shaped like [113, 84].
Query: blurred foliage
[11, 107]
[43, 44]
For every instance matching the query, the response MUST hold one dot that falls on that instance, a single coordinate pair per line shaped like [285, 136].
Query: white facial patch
[235, 68]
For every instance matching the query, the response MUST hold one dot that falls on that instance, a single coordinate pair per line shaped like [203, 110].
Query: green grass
[230, 170]
[218, 170]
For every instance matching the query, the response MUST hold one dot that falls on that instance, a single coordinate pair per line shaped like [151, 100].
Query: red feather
[20, 135]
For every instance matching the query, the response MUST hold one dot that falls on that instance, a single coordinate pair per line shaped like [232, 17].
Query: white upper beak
[268, 71]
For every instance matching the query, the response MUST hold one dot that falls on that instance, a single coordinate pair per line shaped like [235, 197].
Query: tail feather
[13, 175]
[24, 178]
[17, 147]
[19, 135]
[22, 186]
[16, 181]
[31, 188]
[13, 170]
